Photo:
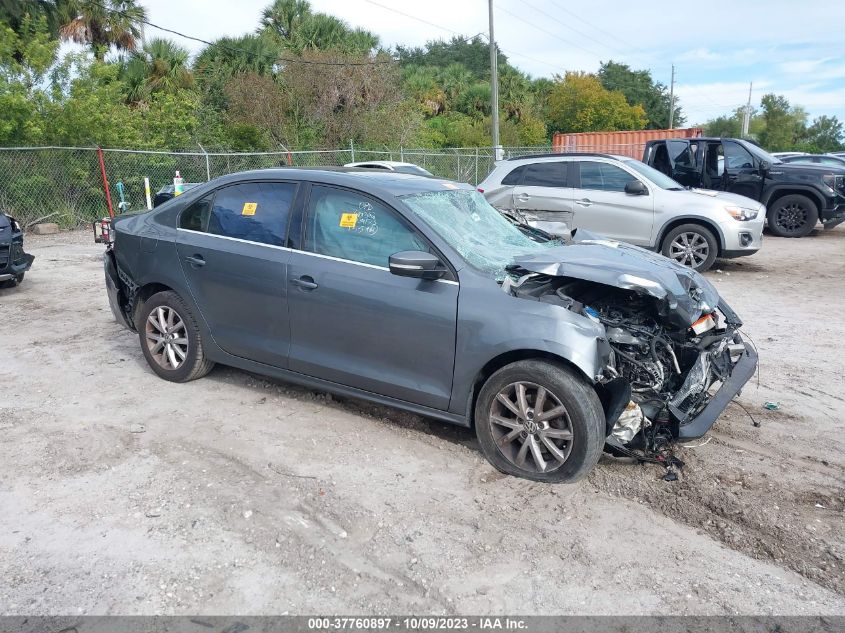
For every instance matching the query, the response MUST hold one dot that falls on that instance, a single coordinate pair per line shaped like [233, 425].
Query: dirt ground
[121, 493]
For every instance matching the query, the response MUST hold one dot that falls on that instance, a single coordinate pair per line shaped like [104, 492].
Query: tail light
[103, 233]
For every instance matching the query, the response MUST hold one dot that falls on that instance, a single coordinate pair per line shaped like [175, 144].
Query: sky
[717, 46]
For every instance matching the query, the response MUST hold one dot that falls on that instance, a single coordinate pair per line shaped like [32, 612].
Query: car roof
[386, 183]
[385, 163]
[560, 155]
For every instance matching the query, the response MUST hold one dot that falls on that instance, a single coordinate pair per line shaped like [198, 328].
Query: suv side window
[737, 157]
[349, 225]
[546, 174]
[514, 177]
[603, 176]
[253, 211]
[195, 217]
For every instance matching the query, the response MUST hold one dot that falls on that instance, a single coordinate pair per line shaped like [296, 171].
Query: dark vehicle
[414, 292]
[796, 197]
[13, 261]
[167, 192]
[815, 159]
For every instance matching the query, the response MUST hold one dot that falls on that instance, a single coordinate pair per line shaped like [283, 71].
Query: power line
[591, 25]
[276, 58]
[574, 30]
[547, 32]
[412, 17]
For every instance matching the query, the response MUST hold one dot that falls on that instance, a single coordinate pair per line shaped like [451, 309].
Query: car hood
[796, 168]
[682, 294]
[726, 197]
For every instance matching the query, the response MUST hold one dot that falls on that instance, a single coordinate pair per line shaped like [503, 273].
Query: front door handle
[196, 260]
[305, 282]
[584, 202]
[523, 197]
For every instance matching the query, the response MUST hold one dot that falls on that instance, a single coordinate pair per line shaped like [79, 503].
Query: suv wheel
[538, 420]
[170, 338]
[11, 283]
[691, 245]
[792, 216]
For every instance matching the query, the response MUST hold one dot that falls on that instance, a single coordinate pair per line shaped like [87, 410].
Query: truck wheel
[691, 245]
[11, 283]
[792, 216]
[538, 420]
[170, 338]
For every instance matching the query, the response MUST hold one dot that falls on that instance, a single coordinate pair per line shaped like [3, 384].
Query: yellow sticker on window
[249, 208]
[348, 220]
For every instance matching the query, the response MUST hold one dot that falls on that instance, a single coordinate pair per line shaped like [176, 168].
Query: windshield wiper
[527, 229]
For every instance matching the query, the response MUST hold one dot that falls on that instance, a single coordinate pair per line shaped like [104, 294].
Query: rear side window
[603, 176]
[515, 177]
[253, 211]
[195, 217]
[348, 225]
[549, 174]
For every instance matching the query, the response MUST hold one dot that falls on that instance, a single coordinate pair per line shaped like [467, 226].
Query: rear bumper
[741, 373]
[113, 289]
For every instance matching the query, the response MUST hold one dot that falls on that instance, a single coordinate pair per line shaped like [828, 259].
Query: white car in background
[626, 200]
[392, 165]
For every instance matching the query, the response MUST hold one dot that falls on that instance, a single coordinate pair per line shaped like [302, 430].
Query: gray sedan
[416, 293]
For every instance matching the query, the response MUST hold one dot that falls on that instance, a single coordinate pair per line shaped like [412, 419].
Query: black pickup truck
[796, 196]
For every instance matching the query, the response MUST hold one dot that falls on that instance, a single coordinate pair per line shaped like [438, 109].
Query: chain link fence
[65, 184]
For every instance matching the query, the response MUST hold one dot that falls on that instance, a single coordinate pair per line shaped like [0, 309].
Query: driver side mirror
[636, 188]
[417, 264]
[765, 166]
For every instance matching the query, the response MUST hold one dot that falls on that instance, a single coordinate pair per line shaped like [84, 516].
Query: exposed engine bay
[666, 368]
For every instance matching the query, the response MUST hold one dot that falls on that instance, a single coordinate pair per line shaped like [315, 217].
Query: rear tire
[556, 437]
[691, 245]
[792, 216]
[170, 338]
[11, 283]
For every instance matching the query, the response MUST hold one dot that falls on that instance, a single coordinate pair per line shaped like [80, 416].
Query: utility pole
[672, 99]
[746, 119]
[494, 87]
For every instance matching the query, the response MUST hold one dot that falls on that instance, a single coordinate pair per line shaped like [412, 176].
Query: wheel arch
[512, 356]
[703, 222]
[776, 193]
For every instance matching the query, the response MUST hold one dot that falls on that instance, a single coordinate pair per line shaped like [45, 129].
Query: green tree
[639, 88]
[825, 134]
[102, 24]
[161, 65]
[579, 103]
[284, 17]
[784, 125]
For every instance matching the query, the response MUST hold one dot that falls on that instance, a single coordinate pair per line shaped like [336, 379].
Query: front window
[479, 233]
[661, 180]
[761, 154]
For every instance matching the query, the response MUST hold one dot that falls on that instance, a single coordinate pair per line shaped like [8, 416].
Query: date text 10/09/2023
[416, 623]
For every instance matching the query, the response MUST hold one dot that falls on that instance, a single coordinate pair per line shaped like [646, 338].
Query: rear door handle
[584, 202]
[196, 260]
[305, 282]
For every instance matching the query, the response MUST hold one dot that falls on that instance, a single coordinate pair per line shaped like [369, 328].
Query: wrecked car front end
[676, 356]
[14, 262]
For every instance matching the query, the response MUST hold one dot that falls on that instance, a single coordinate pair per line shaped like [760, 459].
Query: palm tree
[102, 24]
[14, 12]
[160, 66]
[455, 79]
[283, 17]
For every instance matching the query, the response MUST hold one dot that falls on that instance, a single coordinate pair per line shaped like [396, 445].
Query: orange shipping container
[627, 143]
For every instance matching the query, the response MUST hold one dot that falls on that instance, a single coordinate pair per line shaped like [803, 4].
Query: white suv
[626, 200]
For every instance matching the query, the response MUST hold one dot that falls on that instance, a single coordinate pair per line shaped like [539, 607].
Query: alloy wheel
[792, 217]
[690, 249]
[166, 337]
[531, 427]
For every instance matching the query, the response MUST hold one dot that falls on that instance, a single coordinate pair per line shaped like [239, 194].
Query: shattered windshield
[482, 236]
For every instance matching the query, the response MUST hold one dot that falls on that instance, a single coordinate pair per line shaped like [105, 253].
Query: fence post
[476, 166]
[401, 154]
[352, 151]
[105, 180]
[207, 164]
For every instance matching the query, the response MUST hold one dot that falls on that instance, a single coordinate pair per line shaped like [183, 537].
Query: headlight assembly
[740, 213]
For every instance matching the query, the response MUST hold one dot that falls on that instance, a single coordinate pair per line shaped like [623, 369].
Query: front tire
[691, 245]
[792, 216]
[538, 420]
[170, 338]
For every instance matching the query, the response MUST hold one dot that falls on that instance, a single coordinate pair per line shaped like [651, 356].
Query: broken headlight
[740, 213]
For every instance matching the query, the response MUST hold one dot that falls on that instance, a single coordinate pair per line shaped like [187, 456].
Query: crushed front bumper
[741, 373]
[13, 260]
[833, 216]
